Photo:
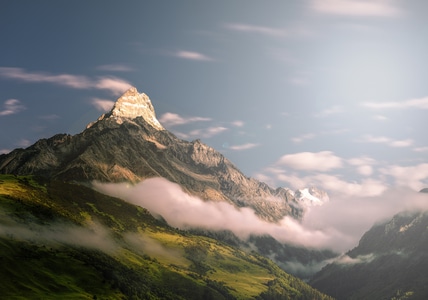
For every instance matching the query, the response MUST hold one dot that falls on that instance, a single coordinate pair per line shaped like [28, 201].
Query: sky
[326, 93]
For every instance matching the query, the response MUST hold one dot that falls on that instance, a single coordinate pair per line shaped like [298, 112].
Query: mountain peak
[131, 105]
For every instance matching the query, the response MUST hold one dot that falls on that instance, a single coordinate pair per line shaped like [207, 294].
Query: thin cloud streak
[113, 84]
[115, 68]
[171, 119]
[11, 107]
[330, 111]
[301, 138]
[263, 30]
[192, 55]
[356, 8]
[244, 146]
[386, 141]
[207, 132]
[420, 103]
[421, 149]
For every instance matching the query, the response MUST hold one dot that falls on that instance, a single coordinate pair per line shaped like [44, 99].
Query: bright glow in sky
[330, 93]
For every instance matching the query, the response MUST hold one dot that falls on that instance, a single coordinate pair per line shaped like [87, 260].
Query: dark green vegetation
[65, 241]
[390, 262]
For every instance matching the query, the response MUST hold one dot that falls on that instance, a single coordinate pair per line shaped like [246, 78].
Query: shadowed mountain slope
[390, 262]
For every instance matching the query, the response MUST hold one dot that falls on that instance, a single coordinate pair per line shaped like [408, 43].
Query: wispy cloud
[115, 68]
[171, 119]
[102, 104]
[207, 132]
[421, 149]
[386, 141]
[303, 137]
[192, 55]
[357, 8]
[244, 146]
[11, 107]
[263, 30]
[330, 111]
[311, 161]
[4, 151]
[415, 177]
[363, 164]
[421, 103]
[113, 84]
[238, 123]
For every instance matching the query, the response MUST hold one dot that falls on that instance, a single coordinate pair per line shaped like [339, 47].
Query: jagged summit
[131, 105]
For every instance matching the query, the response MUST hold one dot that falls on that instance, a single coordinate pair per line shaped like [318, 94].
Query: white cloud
[116, 85]
[263, 30]
[421, 149]
[347, 260]
[363, 8]
[238, 123]
[311, 161]
[330, 111]
[420, 103]
[303, 137]
[191, 55]
[171, 119]
[112, 84]
[414, 177]
[115, 68]
[387, 141]
[243, 146]
[207, 132]
[4, 151]
[11, 107]
[338, 224]
[363, 164]
[102, 104]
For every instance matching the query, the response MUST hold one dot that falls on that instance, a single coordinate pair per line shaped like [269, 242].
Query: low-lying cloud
[337, 225]
[95, 236]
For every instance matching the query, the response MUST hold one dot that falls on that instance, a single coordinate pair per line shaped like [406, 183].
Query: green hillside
[64, 240]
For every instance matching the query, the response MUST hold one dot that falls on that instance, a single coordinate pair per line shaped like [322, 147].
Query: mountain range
[59, 231]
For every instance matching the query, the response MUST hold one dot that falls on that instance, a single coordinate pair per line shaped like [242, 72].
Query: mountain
[99, 153]
[390, 262]
[62, 240]
[51, 182]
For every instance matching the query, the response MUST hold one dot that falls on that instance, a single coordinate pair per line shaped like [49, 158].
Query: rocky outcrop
[129, 144]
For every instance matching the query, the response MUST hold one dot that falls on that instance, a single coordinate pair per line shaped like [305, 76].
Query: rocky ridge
[129, 144]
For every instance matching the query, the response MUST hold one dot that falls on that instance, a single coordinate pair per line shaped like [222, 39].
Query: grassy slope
[61, 240]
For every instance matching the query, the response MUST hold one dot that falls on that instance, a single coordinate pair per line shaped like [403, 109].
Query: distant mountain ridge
[390, 262]
[129, 144]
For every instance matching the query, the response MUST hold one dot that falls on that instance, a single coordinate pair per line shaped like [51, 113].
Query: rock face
[132, 105]
[129, 144]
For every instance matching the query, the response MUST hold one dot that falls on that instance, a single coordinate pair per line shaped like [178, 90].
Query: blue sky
[330, 93]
